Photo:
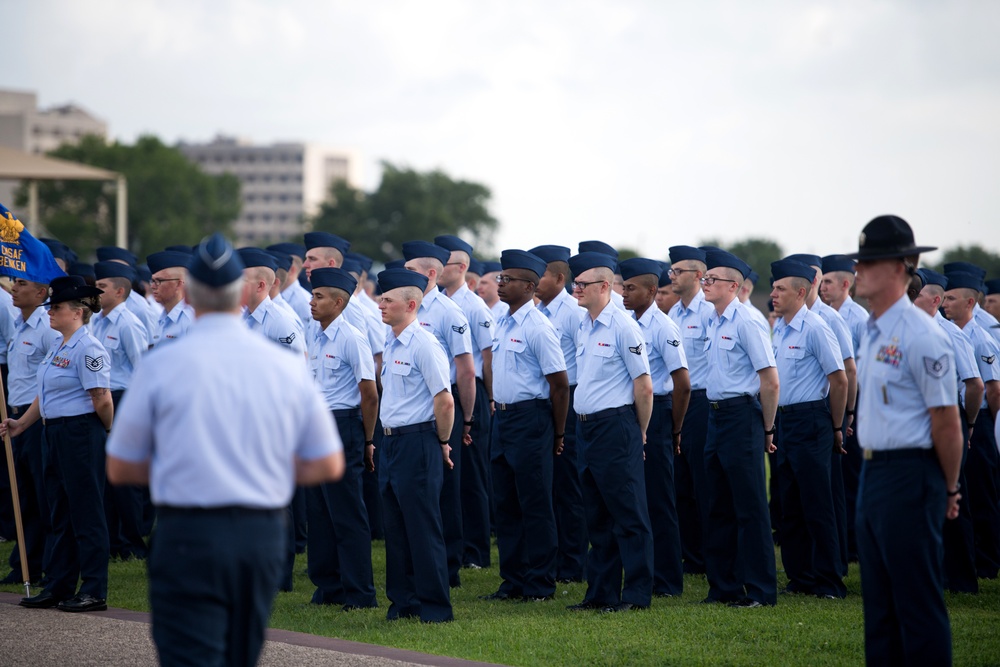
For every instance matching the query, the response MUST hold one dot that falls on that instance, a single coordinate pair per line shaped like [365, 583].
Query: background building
[282, 183]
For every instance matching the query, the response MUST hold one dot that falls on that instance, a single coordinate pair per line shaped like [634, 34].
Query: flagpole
[19, 526]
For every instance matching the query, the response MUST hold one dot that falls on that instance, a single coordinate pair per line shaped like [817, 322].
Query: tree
[974, 254]
[170, 200]
[407, 205]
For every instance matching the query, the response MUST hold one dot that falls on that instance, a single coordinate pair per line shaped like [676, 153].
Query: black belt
[65, 420]
[898, 454]
[698, 391]
[805, 405]
[226, 511]
[19, 409]
[347, 413]
[524, 405]
[603, 414]
[409, 428]
[663, 398]
[730, 402]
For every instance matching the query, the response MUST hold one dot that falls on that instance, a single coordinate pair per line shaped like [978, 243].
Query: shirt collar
[799, 319]
[430, 298]
[406, 335]
[607, 316]
[334, 328]
[37, 318]
[262, 309]
[647, 317]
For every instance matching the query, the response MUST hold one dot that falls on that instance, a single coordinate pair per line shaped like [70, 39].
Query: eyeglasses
[582, 286]
[156, 282]
[673, 273]
[711, 280]
[505, 280]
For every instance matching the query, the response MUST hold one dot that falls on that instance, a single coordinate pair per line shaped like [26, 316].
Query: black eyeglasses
[711, 280]
[582, 285]
[676, 272]
[156, 282]
[505, 280]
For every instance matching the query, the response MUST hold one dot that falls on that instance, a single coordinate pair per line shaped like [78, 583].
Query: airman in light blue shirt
[68, 372]
[806, 352]
[25, 351]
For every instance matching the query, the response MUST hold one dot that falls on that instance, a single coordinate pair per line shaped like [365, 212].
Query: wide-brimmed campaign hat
[71, 288]
[887, 237]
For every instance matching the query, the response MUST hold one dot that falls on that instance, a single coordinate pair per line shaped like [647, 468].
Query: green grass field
[798, 631]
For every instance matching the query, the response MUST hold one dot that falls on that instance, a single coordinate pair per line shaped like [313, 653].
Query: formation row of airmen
[610, 416]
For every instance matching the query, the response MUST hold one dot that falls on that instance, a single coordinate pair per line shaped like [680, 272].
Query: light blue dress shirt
[965, 356]
[25, 351]
[986, 321]
[221, 415]
[443, 318]
[499, 309]
[693, 324]
[663, 347]
[298, 298]
[481, 323]
[525, 351]
[736, 349]
[124, 337]
[414, 371]
[174, 324]
[364, 321]
[905, 367]
[288, 311]
[276, 326]
[566, 315]
[856, 319]
[757, 316]
[340, 359]
[987, 352]
[68, 371]
[139, 307]
[8, 313]
[806, 352]
[836, 322]
[610, 356]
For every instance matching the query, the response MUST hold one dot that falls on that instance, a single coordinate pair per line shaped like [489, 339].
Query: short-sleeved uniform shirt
[414, 371]
[987, 352]
[30, 343]
[987, 322]
[610, 357]
[340, 359]
[8, 313]
[124, 337]
[526, 349]
[145, 314]
[905, 367]
[965, 356]
[692, 321]
[736, 350]
[443, 318]
[663, 347]
[221, 415]
[566, 315]
[174, 324]
[276, 326]
[297, 298]
[856, 319]
[836, 323]
[481, 323]
[68, 372]
[806, 352]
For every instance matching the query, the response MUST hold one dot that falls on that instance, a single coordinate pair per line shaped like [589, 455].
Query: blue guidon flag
[22, 255]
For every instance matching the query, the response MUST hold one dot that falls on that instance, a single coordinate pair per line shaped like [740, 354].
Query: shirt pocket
[399, 371]
[729, 353]
[111, 344]
[512, 355]
[795, 357]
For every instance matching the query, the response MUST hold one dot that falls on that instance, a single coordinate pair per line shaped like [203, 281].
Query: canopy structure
[20, 166]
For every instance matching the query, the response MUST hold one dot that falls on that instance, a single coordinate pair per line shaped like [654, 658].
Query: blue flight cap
[58, 249]
[665, 274]
[363, 261]
[452, 243]
[396, 264]
[283, 259]
[167, 259]
[417, 249]
[753, 277]
[216, 264]
[110, 252]
[143, 273]
[807, 259]
[109, 269]
[679, 253]
[710, 248]
[961, 279]
[551, 253]
[838, 263]
[181, 248]
[252, 257]
[519, 259]
[639, 266]
[597, 246]
[590, 260]
[993, 286]
[717, 258]
[790, 268]
[352, 266]
[390, 279]
[492, 267]
[964, 267]
[336, 278]
[294, 249]
[476, 267]
[929, 277]
[81, 269]
[326, 240]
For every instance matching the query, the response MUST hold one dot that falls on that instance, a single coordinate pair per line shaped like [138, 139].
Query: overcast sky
[644, 124]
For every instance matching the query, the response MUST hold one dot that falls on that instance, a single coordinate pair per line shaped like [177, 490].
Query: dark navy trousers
[476, 484]
[416, 567]
[567, 500]
[810, 548]
[451, 498]
[689, 477]
[339, 549]
[522, 460]
[36, 519]
[213, 575]
[959, 538]
[74, 486]
[614, 497]
[901, 505]
[123, 507]
[983, 474]
[739, 549]
[661, 499]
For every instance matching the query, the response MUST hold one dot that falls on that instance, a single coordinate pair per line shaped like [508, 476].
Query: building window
[251, 217]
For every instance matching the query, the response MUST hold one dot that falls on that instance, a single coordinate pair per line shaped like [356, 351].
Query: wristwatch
[772, 431]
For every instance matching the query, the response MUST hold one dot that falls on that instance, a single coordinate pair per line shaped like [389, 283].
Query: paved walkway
[31, 637]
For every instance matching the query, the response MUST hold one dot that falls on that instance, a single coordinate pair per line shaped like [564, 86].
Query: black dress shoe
[43, 600]
[586, 605]
[500, 595]
[622, 606]
[746, 603]
[83, 602]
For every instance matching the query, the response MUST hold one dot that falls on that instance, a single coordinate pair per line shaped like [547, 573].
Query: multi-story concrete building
[282, 183]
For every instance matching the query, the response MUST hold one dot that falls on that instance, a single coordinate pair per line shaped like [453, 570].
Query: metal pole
[121, 222]
[33, 208]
